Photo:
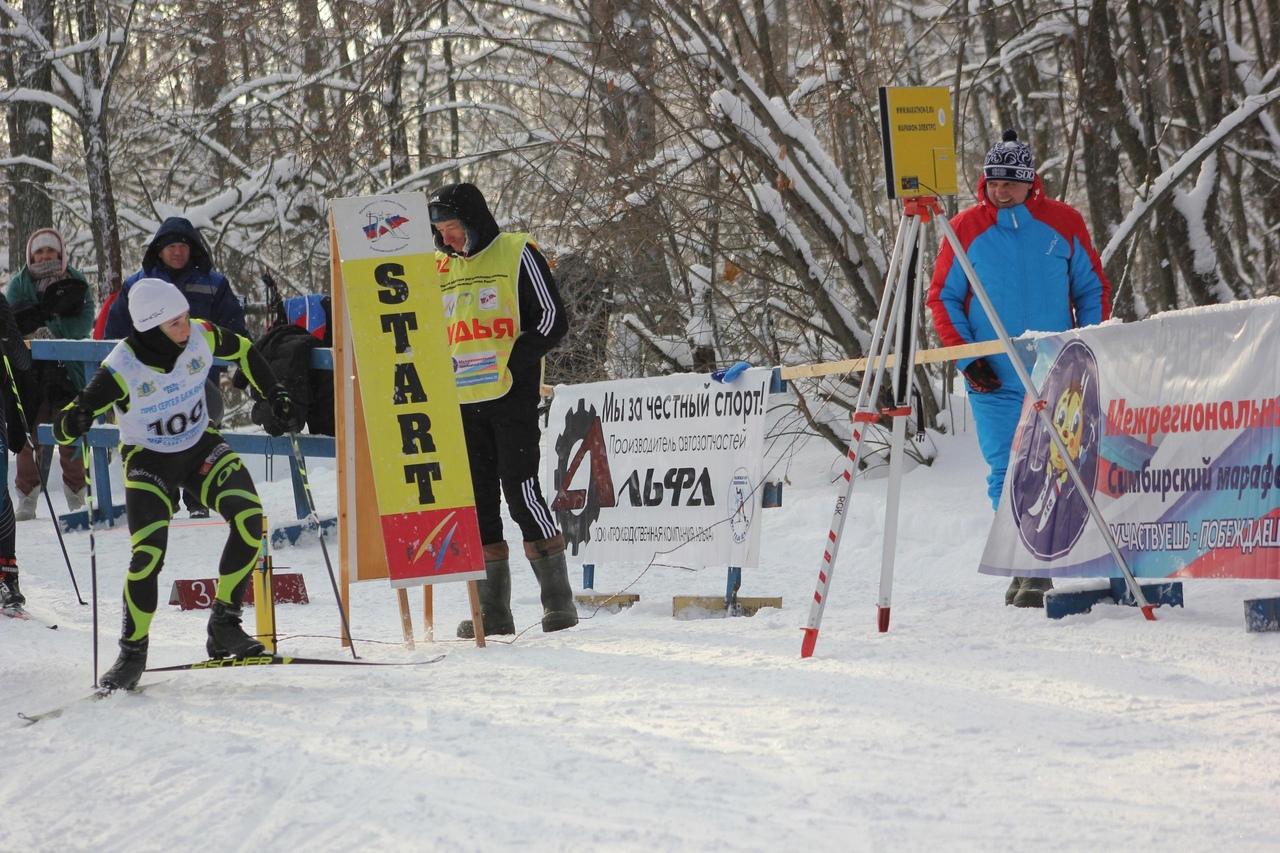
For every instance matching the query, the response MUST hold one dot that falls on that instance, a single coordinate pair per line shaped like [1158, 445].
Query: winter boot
[127, 669]
[10, 595]
[1031, 593]
[75, 500]
[495, 595]
[1015, 584]
[558, 608]
[226, 638]
[24, 509]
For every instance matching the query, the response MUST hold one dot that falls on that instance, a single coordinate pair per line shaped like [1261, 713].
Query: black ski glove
[283, 418]
[982, 379]
[72, 422]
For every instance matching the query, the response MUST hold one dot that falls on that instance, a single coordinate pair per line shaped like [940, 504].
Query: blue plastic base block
[289, 534]
[79, 520]
[1262, 614]
[1070, 602]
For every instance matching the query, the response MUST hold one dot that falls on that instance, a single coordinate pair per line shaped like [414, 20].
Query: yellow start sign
[416, 453]
[919, 141]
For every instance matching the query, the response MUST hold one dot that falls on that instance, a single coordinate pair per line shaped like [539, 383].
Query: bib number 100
[177, 423]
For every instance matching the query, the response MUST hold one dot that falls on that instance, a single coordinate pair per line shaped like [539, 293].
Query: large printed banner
[1174, 425]
[421, 482]
[660, 466]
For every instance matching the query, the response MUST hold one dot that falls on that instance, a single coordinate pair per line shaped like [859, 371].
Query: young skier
[155, 378]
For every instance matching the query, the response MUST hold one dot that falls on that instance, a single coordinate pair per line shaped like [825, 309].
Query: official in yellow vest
[504, 314]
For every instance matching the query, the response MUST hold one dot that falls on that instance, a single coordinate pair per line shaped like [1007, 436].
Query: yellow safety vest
[482, 314]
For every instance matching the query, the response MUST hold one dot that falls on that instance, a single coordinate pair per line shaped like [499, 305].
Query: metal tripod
[893, 345]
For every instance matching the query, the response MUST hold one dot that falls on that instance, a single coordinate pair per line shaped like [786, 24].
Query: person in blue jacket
[179, 255]
[1040, 271]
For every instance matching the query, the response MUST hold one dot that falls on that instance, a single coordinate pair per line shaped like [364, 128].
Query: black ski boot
[559, 611]
[1011, 593]
[127, 669]
[10, 595]
[226, 638]
[495, 596]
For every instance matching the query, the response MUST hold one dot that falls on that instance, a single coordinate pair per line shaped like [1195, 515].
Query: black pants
[213, 472]
[503, 444]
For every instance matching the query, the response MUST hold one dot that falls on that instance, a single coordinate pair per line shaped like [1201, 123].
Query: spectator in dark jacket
[179, 255]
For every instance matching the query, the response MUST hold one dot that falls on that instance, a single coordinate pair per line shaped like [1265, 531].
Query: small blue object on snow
[1070, 602]
[1262, 614]
[730, 373]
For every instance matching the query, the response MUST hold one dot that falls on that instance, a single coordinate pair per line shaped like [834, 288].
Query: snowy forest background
[707, 176]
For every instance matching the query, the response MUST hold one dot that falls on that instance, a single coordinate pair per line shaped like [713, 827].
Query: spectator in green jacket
[51, 300]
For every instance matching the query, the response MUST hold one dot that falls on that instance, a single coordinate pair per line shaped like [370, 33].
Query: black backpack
[288, 349]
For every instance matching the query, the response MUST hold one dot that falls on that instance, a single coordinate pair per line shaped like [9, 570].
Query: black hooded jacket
[543, 319]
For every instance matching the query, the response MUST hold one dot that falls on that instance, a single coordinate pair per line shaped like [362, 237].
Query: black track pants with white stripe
[503, 445]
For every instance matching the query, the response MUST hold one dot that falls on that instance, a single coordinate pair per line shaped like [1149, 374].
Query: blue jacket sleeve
[1086, 287]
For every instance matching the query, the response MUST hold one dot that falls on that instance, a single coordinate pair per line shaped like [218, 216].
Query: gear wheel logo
[577, 509]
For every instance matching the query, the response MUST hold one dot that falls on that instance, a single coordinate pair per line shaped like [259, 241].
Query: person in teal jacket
[1041, 273]
[51, 299]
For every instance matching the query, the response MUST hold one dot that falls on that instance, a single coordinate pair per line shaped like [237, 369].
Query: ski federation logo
[488, 299]
[384, 226]
[146, 388]
[195, 365]
[440, 551]
[741, 500]
[1048, 509]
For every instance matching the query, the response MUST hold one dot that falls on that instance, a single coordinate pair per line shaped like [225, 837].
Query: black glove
[29, 318]
[982, 379]
[63, 298]
[283, 417]
[72, 422]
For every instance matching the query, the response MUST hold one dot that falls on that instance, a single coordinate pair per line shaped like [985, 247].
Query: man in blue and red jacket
[1041, 273]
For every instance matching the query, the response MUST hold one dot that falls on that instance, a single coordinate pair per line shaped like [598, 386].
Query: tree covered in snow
[706, 174]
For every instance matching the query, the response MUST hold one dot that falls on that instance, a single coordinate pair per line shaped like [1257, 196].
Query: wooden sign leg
[406, 618]
[477, 617]
[428, 614]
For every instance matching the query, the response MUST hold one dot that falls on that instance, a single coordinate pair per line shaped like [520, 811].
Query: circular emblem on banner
[385, 225]
[742, 504]
[1048, 509]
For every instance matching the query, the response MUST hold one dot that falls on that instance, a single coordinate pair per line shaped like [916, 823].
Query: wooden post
[477, 617]
[428, 613]
[406, 618]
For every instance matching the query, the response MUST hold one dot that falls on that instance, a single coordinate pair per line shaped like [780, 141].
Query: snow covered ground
[968, 726]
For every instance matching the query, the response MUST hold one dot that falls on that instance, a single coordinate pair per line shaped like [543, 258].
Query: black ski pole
[58, 527]
[315, 519]
[35, 452]
[93, 556]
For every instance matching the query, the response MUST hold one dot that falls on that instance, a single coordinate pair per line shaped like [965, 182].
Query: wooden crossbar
[925, 356]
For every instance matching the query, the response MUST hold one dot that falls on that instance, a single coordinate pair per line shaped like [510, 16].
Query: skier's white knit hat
[153, 301]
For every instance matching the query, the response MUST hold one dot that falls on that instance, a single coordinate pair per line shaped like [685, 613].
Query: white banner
[660, 466]
[1174, 425]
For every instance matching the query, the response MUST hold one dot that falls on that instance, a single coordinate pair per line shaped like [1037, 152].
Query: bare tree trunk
[30, 127]
[94, 132]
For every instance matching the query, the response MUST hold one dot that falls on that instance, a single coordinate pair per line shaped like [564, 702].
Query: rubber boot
[495, 595]
[75, 500]
[24, 508]
[10, 594]
[226, 638]
[558, 608]
[1015, 584]
[1031, 593]
[127, 669]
